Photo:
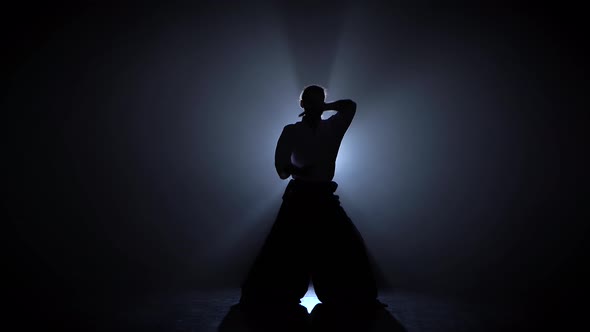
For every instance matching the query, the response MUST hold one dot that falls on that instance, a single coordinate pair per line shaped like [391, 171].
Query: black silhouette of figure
[312, 237]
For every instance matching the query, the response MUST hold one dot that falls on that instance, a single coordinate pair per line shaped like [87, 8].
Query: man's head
[312, 100]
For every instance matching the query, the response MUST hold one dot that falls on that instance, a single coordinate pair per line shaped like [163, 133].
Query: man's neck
[312, 121]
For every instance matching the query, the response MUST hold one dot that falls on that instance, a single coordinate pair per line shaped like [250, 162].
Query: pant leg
[280, 273]
[341, 269]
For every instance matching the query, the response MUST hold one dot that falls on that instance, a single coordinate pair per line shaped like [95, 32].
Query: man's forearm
[345, 105]
[291, 169]
[294, 170]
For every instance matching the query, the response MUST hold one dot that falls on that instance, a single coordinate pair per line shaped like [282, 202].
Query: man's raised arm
[346, 109]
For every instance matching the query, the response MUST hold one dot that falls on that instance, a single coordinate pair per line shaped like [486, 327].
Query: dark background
[141, 143]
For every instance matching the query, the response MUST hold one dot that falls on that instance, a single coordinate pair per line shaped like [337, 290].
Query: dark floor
[206, 310]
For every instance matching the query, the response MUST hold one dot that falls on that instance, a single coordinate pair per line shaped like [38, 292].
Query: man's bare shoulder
[289, 127]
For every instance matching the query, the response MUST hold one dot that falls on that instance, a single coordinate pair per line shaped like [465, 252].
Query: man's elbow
[350, 106]
[350, 110]
[283, 174]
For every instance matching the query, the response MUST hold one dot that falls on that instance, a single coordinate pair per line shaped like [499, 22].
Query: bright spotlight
[310, 300]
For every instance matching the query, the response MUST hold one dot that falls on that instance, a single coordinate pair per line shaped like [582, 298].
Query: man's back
[313, 146]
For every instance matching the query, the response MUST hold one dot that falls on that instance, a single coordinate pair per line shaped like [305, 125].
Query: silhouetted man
[312, 237]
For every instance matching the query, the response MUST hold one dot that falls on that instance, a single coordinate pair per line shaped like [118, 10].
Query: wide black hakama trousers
[312, 239]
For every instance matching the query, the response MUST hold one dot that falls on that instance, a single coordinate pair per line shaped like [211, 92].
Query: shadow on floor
[296, 319]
